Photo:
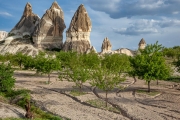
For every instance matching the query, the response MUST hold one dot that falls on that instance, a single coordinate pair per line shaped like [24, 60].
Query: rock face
[106, 46]
[49, 32]
[3, 35]
[126, 51]
[78, 33]
[19, 39]
[27, 23]
[142, 44]
[92, 49]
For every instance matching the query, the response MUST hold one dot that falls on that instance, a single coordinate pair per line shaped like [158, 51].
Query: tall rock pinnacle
[27, 23]
[106, 46]
[78, 33]
[49, 32]
[142, 44]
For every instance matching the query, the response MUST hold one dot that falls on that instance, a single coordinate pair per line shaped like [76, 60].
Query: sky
[124, 22]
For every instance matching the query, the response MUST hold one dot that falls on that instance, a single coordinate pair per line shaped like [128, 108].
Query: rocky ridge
[78, 33]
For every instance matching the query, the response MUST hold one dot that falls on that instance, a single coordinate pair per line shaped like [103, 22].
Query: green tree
[46, 65]
[78, 71]
[6, 77]
[150, 64]
[18, 59]
[108, 76]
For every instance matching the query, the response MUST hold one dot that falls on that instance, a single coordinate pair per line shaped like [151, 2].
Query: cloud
[144, 26]
[169, 23]
[130, 8]
[5, 14]
[139, 27]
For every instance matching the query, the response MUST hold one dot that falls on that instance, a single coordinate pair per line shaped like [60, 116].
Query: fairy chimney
[49, 32]
[142, 44]
[78, 33]
[106, 46]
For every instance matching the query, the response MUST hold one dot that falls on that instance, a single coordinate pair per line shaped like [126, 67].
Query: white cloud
[130, 8]
[5, 14]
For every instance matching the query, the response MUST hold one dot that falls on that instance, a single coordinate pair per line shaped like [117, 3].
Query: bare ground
[55, 98]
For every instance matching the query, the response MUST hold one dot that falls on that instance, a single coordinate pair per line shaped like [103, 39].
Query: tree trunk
[148, 86]
[134, 79]
[48, 78]
[106, 97]
[157, 82]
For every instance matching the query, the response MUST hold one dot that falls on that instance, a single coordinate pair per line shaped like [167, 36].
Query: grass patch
[151, 93]
[77, 92]
[102, 105]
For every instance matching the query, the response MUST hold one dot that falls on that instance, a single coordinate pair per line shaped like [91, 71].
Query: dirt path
[55, 98]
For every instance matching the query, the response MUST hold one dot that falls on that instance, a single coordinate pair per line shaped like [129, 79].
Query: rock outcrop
[142, 44]
[92, 49]
[126, 51]
[27, 23]
[106, 46]
[19, 39]
[3, 35]
[49, 32]
[78, 33]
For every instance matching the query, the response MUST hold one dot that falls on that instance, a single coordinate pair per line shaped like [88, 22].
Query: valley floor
[56, 98]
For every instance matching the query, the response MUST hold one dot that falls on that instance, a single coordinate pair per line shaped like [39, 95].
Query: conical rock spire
[49, 32]
[78, 33]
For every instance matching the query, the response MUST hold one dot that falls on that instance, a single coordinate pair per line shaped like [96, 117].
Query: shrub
[6, 78]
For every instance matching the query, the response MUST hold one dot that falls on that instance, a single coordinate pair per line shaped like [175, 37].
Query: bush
[6, 78]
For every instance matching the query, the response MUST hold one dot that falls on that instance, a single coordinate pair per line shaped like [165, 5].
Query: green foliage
[150, 64]
[116, 62]
[18, 59]
[108, 76]
[46, 64]
[177, 63]
[91, 60]
[6, 77]
[173, 52]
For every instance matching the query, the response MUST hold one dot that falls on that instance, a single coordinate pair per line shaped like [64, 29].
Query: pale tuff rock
[78, 33]
[3, 35]
[92, 49]
[106, 46]
[27, 23]
[142, 44]
[126, 51]
[49, 32]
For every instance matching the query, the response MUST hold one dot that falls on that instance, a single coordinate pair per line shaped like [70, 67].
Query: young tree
[18, 59]
[46, 65]
[150, 64]
[6, 77]
[108, 75]
[78, 72]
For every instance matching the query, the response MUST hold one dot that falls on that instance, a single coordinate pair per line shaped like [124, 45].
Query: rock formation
[92, 49]
[3, 35]
[49, 32]
[106, 46]
[78, 33]
[142, 44]
[19, 39]
[126, 51]
[26, 24]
